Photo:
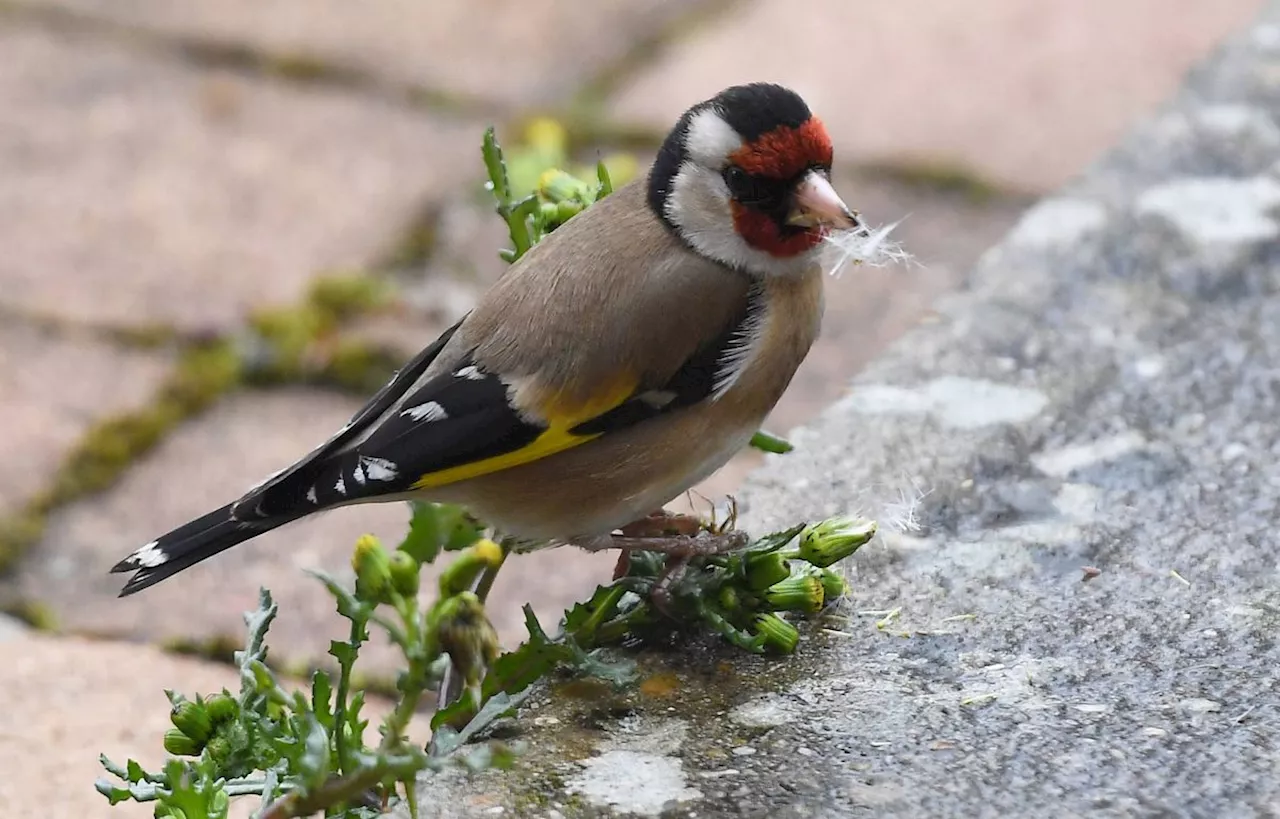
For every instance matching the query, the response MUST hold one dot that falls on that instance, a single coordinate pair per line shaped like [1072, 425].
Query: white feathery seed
[863, 246]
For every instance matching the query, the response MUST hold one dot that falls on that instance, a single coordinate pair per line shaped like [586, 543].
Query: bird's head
[744, 178]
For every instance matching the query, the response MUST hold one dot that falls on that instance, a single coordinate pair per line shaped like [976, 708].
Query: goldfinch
[622, 360]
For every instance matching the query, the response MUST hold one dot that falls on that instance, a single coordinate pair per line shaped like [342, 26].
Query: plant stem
[337, 791]
[355, 640]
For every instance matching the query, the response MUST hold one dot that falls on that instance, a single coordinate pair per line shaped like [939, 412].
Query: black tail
[187, 545]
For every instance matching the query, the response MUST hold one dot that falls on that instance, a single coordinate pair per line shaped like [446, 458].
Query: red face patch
[784, 152]
[761, 231]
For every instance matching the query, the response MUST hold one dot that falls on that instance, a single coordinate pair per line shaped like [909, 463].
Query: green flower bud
[466, 635]
[477, 557]
[179, 744]
[779, 635]
[833, 540]
[192, 719]
[567, 210]
[559, 186]
[221, 707]
[549, 213]
[404, 574]
[219, 751]
[763, 570]
[372, 566]
[833, 585]
[801, 592]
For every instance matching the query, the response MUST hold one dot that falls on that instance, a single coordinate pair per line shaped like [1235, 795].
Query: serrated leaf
[134, 772]
[424, 539]
[313, 762]
[322, 698]
[348, 606]
[437, 527]
[775, 541]
[115, 794]
[582, 620]
[344, 653]
[446, 740]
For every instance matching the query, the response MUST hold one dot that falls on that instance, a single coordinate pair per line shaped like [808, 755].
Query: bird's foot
[679, 548]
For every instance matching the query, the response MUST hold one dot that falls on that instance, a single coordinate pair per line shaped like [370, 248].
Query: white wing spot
[657, 398]
[358, 473]
[379, 469]
[150, 556]
[341, 486]
[430, 411]
[470, 372]
[311, 496]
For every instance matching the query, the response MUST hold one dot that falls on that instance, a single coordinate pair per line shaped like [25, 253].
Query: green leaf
[776, 540]
[434, 527]
[322, 697]
[348, 606]
[605, 186]
[313, 762]
[344, 653]
[447, 740]
[134, 773]
[584, 618]
[115, 795]
[771, 443]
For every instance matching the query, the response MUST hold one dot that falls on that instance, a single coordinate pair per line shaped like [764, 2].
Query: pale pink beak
[816, 204]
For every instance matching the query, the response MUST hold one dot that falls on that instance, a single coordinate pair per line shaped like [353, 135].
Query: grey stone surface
[139, 190]
[1102, 393]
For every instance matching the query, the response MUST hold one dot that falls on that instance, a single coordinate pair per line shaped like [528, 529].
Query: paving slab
[207, 462]
[54, 385]
[458, 46]
[141, 190]
[1024, 94]
[1084, 621]
[63, 701]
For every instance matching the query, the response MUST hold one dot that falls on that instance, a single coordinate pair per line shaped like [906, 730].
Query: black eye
[741, 185]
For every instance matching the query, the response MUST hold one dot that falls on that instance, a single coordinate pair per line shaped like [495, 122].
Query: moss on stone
[342, 296]
[18, 533]
[218, 648]
[358, 366]
[32, 612]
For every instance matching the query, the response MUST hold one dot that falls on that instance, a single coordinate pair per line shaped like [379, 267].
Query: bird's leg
[656, 524]
[680, 537]
[663, 523]
[670, 533]
[703, 544]
[660, 594]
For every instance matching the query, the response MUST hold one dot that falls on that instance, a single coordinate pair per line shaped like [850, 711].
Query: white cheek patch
[710, 139]
[698, 205]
